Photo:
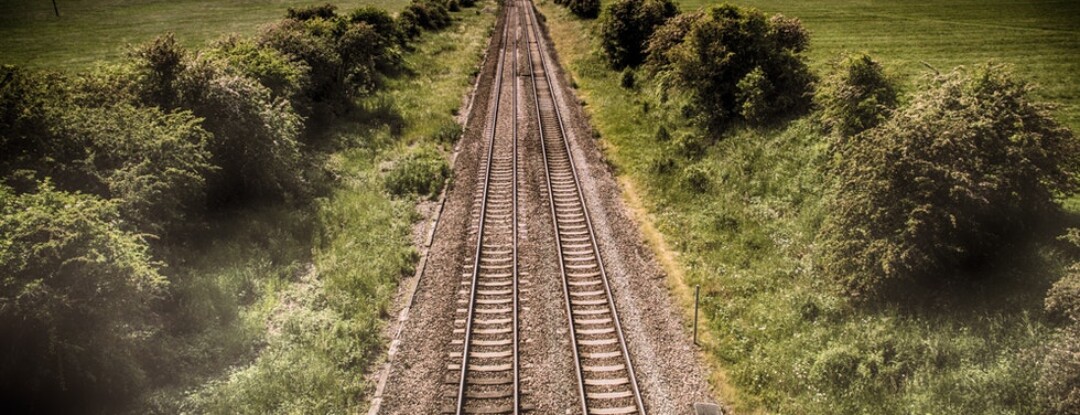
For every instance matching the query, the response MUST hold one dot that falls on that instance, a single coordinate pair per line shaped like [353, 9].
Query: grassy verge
[89, 31]
[293, 302]
[741, 221]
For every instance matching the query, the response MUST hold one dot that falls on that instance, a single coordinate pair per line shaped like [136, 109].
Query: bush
[665, 37]
[586, 9]
[273, 69]
[424, 14]
[343, 55]
[627, 80]
[154, 164]
[1059, 383]
[729, 44]
[626, 27]
[944, 183]
[74, 302]
[857, 96]
[381, 21]
[421, 172]
[325, 11]
[255, 137]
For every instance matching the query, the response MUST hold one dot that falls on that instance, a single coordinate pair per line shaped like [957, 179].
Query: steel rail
[534, 26]
[470, 313]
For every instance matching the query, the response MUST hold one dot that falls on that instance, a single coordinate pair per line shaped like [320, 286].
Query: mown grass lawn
[88, 31]
[1040, 38]
[742, 221]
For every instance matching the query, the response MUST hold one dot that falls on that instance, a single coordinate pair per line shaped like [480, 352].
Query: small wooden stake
[697, 296]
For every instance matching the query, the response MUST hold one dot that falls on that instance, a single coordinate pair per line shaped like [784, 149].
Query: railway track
[485, 367]
[606, 380]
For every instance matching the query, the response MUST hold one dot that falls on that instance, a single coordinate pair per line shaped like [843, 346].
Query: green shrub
[381, 21]
[721, 49]
[421, 172]
[586, 9]
[343, 55]
[857, 96]
[324, 11]
[273, 69]
[449, 133]
[627, 80]
[626, 27]
[154, 165]
[424, 14]
[1059, 383]
[75, 302]
[945, 183]
[665, 37]
[255, 137]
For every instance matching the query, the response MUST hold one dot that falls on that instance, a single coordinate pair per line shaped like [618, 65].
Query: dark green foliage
[627, 80]
[626, 27]
[944, 184]
[421, 172]
[449, 133]
[424, 15]
[662, 134]
[324, 11]
[1059, 383]
[586, 9]
[255, 136]
[1060, 380]
[666, 37]
[381, 21]
[857, 96]
[151, 163]
[74, 302]
[723, 48]
[341, 57]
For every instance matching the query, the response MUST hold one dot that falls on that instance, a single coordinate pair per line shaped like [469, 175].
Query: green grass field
[1040, 38]
[89, 31]
[780, 336]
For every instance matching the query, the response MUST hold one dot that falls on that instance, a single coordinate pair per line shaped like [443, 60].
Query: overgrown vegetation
[117, 294]
[857, 96]
[586, 9]
[963, 171]
[736, 64]
[627, 25]
[745, 209]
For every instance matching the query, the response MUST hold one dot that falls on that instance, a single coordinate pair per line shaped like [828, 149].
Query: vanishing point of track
[487, 370]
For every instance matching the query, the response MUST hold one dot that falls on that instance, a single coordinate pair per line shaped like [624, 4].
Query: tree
[723, 48]
[626, 27]
[75, 301]
[945, 183]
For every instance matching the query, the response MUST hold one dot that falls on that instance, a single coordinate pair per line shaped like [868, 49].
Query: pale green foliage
[152, 164]
[75, 299]
[944, 183]
[422, 171]
[857, 96]
[270, 67]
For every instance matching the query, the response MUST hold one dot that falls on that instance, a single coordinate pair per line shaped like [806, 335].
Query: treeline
[103, 171]
[925, 187]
